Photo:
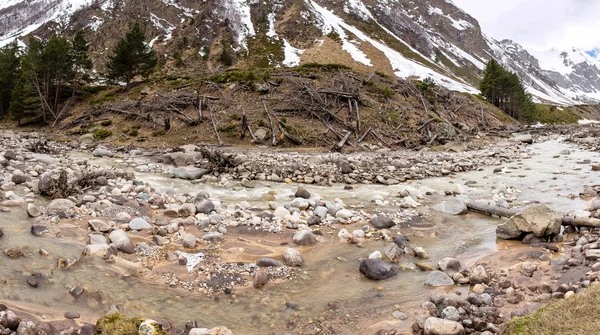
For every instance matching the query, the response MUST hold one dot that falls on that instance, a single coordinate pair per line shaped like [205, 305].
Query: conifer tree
[131, 57]
[80, 52]
[505, 90]
[9, 71]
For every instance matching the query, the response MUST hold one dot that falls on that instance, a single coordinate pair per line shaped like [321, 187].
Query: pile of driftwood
[64, 187]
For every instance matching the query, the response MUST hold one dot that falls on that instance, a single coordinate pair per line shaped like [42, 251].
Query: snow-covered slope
[19, 18]
[411, 39]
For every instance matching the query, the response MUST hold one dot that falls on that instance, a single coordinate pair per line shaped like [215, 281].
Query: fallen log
[480, 207]
[581, 222]
[484, 208]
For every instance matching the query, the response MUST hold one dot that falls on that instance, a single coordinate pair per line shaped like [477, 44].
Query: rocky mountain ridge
[409, 39]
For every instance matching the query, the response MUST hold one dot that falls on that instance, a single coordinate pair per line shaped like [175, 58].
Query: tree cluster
[40, 82]
[505, 90]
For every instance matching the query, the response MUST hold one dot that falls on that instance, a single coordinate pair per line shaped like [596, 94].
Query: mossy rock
[117, 323]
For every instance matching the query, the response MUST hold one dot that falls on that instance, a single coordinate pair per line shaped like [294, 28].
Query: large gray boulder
[120, 239]
[539, 220]
[292, 257]
[139, 224]
[438, 278]
[305, 237]
[376, 269]
[101, 152]
[455, 206]
[437, 326]
[189, 172]
[205, 206]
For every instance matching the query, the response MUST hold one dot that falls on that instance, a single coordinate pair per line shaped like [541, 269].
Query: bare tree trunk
[341, 143]
[273, 136]
[358, 123]
[212, 119]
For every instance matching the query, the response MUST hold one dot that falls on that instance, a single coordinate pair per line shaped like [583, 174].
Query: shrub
[106, 123]
[101, 134]
[133, 132]
[157, 133]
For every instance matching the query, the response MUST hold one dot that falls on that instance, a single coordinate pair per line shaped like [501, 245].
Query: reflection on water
[331, 273]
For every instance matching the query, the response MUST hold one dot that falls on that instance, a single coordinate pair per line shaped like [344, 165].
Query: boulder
[86, 139]
[302, 193]
[33, 211]
[479, 275]
[376, 269]
[9, 320]
[438, 278]
[267, 262]
[139, 224]
[449, 265]
[393, 252]
[382, 222]
[261, 277]
[437, 326]
[101, 152]
[539, 220]
[99, 225]
[205, 206]
[10, 155]
[524, 138]
[38, 230]
[455, 206]
[189, 241]
[44, 182]
[305, 237]
[281, 212]
[401, 241]
[45, 159]
[189, 172]
[292, 257]
[120, 239]
[344, 214]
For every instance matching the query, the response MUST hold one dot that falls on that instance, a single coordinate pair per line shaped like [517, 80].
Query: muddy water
[331, 273]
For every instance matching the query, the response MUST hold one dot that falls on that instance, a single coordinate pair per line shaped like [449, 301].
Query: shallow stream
[330, 276]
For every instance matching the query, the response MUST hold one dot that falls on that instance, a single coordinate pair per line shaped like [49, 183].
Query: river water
[330, 276]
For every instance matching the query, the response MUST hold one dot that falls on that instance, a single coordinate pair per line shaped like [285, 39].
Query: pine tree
[25, 103]
[80, 52]
[131, 57]
[49, 68]
[505, 90]
[9, 72]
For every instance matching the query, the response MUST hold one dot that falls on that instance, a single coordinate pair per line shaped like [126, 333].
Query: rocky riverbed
[289, 242]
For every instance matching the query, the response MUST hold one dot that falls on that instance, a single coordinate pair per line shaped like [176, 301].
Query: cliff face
[427, 38]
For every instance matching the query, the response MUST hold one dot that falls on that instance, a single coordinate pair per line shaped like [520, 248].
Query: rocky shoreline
[178, 239]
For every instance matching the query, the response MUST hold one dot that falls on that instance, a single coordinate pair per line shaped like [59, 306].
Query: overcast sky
[539, 24]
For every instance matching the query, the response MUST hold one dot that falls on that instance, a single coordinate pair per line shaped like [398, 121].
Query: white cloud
[539, 24]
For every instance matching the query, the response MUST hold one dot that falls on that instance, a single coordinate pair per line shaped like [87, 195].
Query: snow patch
[331, 23]
[585, 121]
[292, 55]
[357, 7]
[168, 28]
[186, 11]
[271, 33]
[239, 13]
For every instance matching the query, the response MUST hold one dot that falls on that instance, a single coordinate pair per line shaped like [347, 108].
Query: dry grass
[578, 315]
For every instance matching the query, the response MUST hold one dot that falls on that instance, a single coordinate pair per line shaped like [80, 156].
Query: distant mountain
[409, 39]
